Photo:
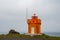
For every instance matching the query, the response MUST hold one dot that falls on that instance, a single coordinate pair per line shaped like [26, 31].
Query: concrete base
[33, 34]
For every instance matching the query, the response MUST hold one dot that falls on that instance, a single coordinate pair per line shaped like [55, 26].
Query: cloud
[13, 14]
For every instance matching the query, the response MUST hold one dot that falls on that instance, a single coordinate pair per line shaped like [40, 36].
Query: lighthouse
[34, 25]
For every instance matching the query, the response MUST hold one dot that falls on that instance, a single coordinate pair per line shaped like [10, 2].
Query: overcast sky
[13, 14]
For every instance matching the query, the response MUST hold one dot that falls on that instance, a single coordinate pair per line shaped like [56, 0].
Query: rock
[13, 32]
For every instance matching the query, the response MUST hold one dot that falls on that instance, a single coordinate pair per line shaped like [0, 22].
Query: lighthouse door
[32, 30]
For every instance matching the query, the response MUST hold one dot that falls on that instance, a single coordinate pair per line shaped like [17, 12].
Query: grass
[43, 36]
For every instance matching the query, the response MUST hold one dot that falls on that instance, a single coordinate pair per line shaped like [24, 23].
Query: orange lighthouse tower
[34, 25]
